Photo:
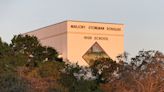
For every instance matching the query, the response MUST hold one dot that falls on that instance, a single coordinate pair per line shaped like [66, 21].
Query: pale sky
[143, 19]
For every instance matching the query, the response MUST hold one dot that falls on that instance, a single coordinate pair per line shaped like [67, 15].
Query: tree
[105, 69]
[143, 74]
[11, 82]
[148, 70]
[31, 47]
[74, 79]
[51, 69]
[25, 44]
[4, 49]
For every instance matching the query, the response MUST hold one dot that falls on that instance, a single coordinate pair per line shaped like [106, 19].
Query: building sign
[95, 38]
[109, 28]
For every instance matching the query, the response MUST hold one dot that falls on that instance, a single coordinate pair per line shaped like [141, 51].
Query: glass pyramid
[94, 52]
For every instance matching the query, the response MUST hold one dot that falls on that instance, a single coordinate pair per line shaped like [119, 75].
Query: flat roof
[73, 21]
[94, 22]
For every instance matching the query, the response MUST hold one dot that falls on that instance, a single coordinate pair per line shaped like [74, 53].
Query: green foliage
[25, 44]
[74, 85]
[11, 82]
[4, 49]
[18, 71]
[26, 51]
[51, 69]
[31, 47]
[11, 63]
[144, 73]
[70, 81]
[51, 54]
[104, 69]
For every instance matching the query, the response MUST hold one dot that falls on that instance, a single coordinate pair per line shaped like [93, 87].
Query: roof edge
[71, 21]
[95, 22]
[45, 27]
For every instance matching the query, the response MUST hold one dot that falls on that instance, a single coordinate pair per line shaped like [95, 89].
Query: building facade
[83, 42]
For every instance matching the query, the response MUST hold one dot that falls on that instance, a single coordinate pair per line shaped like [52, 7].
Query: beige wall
[78, 46]
[69, 38]
[54, 36]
